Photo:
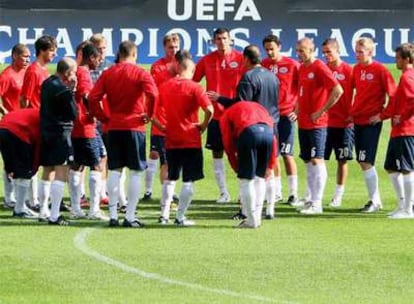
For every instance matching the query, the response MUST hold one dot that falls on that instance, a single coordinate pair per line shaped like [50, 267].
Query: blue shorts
[158, 145]
[56, 150]
[312, 143]
[341, 141]
[286, 135]
[86, 151]
[254, 150]
[400, 154]
[126, 149]
[18, 156]
[189, 161]
[366, 142]
[214, 141]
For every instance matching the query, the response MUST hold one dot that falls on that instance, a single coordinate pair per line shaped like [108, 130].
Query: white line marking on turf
[80, 243]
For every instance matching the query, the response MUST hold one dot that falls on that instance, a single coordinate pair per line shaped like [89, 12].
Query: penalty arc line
[81, 244]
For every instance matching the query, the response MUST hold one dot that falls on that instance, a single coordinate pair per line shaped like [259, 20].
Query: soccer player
[399, 161]
[318, 91]
[131, 93]
[250, 145]
[37, 72]
[57, 114]
[340, 137]
[222, 70]
[181, 98]
[161, 70]
[19, 145]
[260, 85]
[372, 82]
[85, 143]
[11, 81]
[286, 70]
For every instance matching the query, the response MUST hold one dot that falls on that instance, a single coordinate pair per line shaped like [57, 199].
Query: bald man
[318, 91]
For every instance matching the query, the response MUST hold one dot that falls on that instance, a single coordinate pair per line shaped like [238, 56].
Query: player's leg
[152, 166]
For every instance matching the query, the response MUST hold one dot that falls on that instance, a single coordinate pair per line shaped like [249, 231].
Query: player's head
[78, 51]
[90, 56]
[66, 70]
[331, 51]
[404, 55]
[251, 55]
[222, 40]
[272, 46]
[305, 49]
[45, 48]
[99, 41]
[127, 51]
[186, 66]
[364, 50]
[20, 56]
[171, 43]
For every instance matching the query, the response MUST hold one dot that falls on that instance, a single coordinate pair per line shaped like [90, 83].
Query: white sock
[270, 195]
[278, 186]
[21, 187]
[34, 191]
[398, 182]
[134, 190]
[82, 185]
[168, 188]
[95, 179]
[319, 183]
[113, 191]
[220, 174]
[260, 187]
[122, 195]
[8, 189]
[371, 182]
[293, 185]
[104, 188]
[44, 195]
[248, 199]
[75, 189]
[152, 166]
[186, 194]
[409, 191]
[310, 180]
[56, 194]
[339, 192]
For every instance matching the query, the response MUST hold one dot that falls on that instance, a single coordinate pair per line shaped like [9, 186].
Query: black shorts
[86, 151]
[56, 150]
[312, 143]
[18, 156]
[101, 144]
[158, 145]
[126, 149]
[366, 142]
[341, 141]
[286, 135]
[214, 141]
[187, 160]
[400, 154]
[254, 150]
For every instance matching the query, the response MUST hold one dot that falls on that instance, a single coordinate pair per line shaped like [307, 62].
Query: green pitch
[342, 256]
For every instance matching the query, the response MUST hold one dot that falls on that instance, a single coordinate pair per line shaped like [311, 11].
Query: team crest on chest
[233, 64]
[311, 75]
[283, 70]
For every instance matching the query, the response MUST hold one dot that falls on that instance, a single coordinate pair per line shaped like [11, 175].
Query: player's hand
[349, 119]
[316, 115]
[374, 119]
[201, 127]
[268, 173]
[145, 119]
[396, 120]
[213, 96]
[293, 116]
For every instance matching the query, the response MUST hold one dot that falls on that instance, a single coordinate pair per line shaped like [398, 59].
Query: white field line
[80, 243]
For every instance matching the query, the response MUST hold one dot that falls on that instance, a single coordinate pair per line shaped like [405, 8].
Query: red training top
[11, 83]
[33, 79]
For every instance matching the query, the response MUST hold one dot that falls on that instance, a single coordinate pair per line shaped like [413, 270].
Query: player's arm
[333, 98]
[95, 100]
[4, 84]
[229, 142]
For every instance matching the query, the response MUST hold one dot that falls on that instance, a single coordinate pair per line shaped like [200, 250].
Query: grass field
[342, 256]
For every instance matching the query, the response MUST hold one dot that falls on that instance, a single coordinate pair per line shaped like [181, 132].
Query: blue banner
[389, 23]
